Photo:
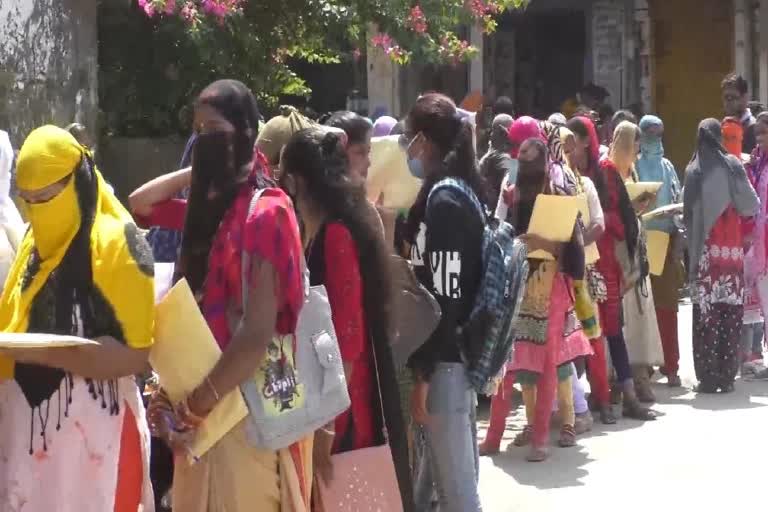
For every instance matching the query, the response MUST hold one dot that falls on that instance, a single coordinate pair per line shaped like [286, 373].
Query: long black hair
[221, 160]
[320, 159]
[435, 116]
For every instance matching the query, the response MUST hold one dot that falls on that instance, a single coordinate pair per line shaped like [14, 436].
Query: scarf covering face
[652, 166]
[221, 161]
[120, 260]
[622, 151]
[733, 136]
[714, 181]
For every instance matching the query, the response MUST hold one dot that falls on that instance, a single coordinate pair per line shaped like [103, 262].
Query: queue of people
[257, 214]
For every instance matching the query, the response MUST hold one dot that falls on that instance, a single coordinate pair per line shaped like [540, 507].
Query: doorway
[689, 62]
[549, 49]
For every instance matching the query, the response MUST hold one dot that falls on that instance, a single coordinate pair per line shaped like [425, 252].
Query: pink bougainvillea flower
[148, 7]
[170, 6]
[357, 54]
[417, 21]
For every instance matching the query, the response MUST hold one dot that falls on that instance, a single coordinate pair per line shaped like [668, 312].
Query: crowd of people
[258, 212]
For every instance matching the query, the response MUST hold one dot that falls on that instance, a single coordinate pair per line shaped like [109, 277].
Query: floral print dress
[719, 302]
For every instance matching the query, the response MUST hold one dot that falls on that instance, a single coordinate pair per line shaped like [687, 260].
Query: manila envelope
[183, 354]
[553, 219]
[658, 243]
[635, 190]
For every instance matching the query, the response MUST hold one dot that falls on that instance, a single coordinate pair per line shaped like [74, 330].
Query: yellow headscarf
[622, 151]
[120, 258]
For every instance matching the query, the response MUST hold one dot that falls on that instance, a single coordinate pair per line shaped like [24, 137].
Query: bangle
[327, 432]
[213, 389]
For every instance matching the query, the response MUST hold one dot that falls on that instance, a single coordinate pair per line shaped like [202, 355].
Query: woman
[652, 166]
[358, 147]
[620, 225]
[755, 261]
[641, 330]
[446, 235]
[548, 335]
[575, 154]
[346, 253]
[522, 129]
[218, 229]
[753, 329]
[717, 198]
[73, 422]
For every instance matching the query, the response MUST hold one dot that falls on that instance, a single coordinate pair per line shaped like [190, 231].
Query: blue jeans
[446, 457]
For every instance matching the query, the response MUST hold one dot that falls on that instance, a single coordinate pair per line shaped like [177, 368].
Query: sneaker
[583, 423]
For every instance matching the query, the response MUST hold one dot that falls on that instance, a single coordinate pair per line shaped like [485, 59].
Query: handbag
[416, 313]
[364, 479]
[300, 386]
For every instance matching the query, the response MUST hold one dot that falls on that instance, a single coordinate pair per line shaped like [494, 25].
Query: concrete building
[665, 56]
[48, 64]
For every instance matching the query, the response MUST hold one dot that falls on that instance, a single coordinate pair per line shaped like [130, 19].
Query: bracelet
[213, 389]
[327, 432]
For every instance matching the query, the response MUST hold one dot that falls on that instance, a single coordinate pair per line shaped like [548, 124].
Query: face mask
[416, 166]
[651, 147]
[216, 162]
[55, 222]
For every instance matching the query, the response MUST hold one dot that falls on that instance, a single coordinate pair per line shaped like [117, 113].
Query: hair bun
[330, 143]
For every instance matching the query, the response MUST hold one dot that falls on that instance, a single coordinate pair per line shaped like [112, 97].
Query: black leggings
[620, 357]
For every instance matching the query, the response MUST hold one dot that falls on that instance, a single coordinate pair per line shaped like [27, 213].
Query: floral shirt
[720, 277]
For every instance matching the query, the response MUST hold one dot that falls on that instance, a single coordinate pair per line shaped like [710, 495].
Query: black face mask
[220, 160]
[531, 180]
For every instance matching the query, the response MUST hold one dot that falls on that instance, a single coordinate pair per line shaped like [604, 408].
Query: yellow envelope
[389, 181]
[553, 218]
[591, 254]
[635, 190]
[658, 243]
[183, 354]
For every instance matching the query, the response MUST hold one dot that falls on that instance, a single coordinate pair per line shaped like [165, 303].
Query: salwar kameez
[719, 307]
[542, 364]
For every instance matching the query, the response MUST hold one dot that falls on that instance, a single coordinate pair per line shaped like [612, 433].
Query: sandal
[537, 454]
[524, 437]
[606, 415]
[635, 411]
[567, 436]
[486, 450]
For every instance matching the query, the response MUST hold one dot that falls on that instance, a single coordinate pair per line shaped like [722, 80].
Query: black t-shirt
[447, 259]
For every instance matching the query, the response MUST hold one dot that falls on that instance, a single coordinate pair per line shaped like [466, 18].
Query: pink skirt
[570, 344]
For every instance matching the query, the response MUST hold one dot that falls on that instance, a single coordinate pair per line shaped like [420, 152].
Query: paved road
[707, 453]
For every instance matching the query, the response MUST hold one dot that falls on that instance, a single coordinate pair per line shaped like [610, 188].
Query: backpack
[489, 328]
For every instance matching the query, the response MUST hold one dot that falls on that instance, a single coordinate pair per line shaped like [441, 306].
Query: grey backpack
[300, 386]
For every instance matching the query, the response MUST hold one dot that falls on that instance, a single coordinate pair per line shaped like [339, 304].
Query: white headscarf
[12, 227]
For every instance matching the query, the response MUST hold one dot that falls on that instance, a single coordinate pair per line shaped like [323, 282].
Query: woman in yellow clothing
[73, 428]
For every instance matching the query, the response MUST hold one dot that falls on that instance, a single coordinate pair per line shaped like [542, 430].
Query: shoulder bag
[300, 386]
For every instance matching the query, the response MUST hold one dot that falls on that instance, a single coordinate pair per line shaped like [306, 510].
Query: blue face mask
[416, 166]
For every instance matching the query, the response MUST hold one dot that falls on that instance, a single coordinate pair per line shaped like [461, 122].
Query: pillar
[476, 65]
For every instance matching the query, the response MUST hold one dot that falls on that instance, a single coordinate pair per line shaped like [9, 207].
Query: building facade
[48, 64]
